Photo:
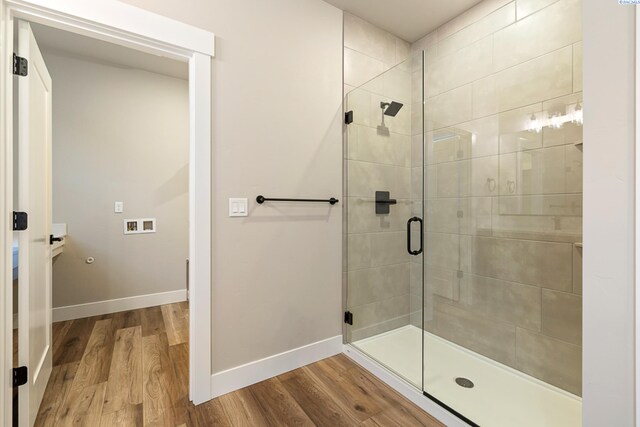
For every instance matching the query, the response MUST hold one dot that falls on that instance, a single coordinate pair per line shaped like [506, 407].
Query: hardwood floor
[131, 369]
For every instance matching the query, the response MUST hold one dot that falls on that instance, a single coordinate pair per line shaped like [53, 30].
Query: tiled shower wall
[503, 202]
[377, 158]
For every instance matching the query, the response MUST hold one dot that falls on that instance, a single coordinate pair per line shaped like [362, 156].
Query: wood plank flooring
[131, 369]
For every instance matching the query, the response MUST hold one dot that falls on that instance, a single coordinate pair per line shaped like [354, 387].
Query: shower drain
[464, 382]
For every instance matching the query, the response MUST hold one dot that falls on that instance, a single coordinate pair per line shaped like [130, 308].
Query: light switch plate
[238, 206]
[118, 207]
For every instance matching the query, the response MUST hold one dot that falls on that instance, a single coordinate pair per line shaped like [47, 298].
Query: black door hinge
[20, 221]
[20, 376]
[20, 65]
[348, 317]
[348, 117]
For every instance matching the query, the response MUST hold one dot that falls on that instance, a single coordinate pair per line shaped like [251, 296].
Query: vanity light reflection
[556, 120]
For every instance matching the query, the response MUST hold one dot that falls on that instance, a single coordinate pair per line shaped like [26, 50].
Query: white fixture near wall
[118, 207]
[238, 206]
[139, 226]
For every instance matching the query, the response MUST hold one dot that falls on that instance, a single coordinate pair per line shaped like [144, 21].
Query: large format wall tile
[527, 7]
[374, 284]
[543, 264]
[485, 101]
[542, 171]
[555, 218]
[369, 145]
[449, 108]
[489, 338]
[552, 28]
[441, 282]
[509, 302]
[368, 39]
[448, 251]
[363, 219]
[381, 312]
[570, 132]
[470, 215]
[514, 129]
[573, 169]
[577, 67]
[464, 66]
[469, 17]
[454, 179]
[545, 77]
[389, 248]
[551, 360]
[358, 251]
[365, 178]
[477, 138]
[540, 205]
[577, 269]
[487, 25]
[484, 176]
[359, 68]
[562, 316]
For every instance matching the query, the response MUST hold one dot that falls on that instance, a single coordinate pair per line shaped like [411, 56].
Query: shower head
[392, 108]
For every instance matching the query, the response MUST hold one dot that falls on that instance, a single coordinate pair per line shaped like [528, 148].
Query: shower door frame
[144, 31]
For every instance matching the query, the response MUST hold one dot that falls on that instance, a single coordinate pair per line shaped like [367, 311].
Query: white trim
[111, 19]
[6, 236]
[406, 389]
[637, 223]
[116, 22]
[98, 308]
[242, 376]
[200, 225]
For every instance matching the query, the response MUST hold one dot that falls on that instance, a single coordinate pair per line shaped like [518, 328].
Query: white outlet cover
[118, 207]
[238, 206]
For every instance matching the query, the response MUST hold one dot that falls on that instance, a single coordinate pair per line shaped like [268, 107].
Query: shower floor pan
[500, 396]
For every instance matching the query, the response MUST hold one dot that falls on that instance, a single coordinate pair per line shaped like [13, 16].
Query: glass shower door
[503, 219]
[384, 218]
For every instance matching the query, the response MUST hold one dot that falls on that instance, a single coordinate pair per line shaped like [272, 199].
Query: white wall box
[139, 226]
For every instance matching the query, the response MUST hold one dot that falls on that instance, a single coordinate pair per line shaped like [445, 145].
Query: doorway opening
[144, 32]
[115, 175]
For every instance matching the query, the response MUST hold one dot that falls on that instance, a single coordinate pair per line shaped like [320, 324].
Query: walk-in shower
[464, 215]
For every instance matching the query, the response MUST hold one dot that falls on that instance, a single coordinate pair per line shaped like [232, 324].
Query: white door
[34, 197]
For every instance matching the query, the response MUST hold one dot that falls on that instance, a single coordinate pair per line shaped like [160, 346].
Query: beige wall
[119, 134]
[277, 107]
[609, 285]
[504, 204]
[376, 69]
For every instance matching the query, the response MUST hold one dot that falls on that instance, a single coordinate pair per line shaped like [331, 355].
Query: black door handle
[419, 251]
[54, 239]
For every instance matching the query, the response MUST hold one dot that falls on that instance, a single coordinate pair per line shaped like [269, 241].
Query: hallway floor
[131, 369]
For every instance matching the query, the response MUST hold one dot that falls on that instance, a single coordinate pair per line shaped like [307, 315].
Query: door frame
[129, 26]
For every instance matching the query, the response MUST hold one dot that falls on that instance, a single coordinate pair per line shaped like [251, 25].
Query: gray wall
[277, 107]
[119, 134]
[609, 82]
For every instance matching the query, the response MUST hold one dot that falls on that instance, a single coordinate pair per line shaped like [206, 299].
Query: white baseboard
[115, 305]
[242, 376]
[404, 388]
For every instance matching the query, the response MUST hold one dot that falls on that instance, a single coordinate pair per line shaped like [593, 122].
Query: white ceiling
[408, 19]
[66, 43]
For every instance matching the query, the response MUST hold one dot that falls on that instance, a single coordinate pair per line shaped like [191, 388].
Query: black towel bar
[261, 199]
